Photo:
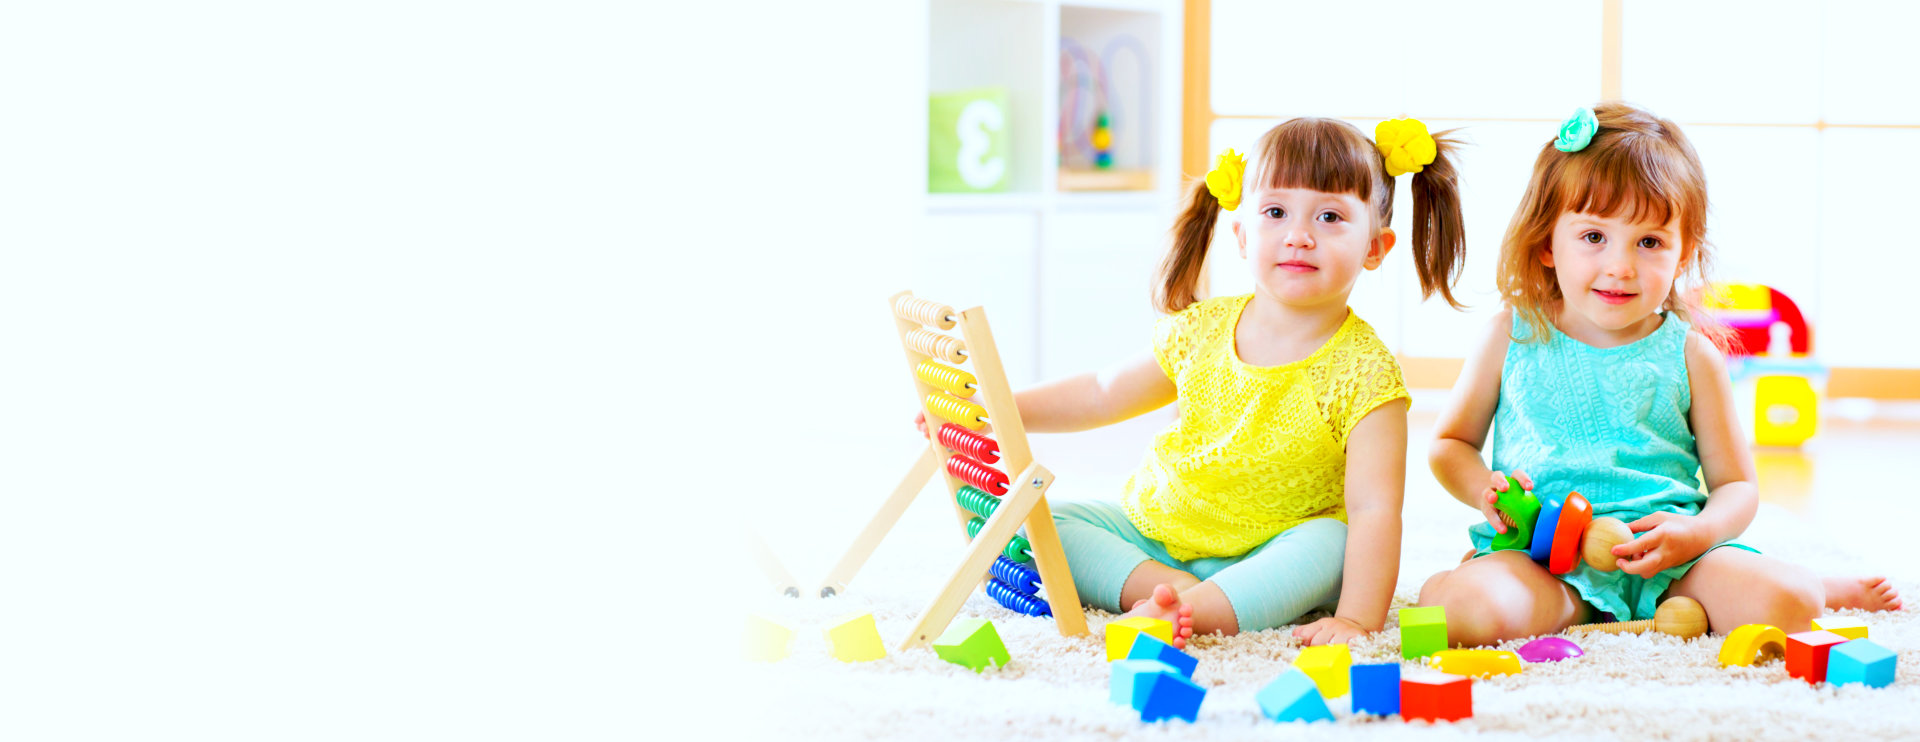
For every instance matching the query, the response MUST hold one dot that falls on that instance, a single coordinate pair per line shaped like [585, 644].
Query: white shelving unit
[1046, 262]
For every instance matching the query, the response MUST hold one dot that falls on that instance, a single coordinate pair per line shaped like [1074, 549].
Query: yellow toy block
[1120, 634]
[1851, 628]
[1785, 411]
[1752, 643]
[767, 639]
[1328, 666]
[1483, 663]
[856, 638]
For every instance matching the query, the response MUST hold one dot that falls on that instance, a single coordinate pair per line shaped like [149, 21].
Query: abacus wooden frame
[1024, 503]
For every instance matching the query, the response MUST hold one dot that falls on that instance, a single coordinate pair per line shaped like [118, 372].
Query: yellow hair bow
[1405, 144]
[1223, 181]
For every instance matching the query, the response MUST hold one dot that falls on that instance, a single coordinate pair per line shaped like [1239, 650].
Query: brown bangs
[1327, 155]
[1635, 182]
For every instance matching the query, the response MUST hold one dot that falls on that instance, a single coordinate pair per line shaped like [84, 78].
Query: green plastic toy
[972, 643]
[1523, 508]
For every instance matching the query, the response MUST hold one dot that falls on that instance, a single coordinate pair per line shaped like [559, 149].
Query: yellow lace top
[1257, 449]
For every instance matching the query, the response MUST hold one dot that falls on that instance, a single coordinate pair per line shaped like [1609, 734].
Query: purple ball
[1549, 649]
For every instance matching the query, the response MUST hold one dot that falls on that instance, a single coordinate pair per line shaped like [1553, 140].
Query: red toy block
[1807, 654]
[1575, 514]
[1436, 697]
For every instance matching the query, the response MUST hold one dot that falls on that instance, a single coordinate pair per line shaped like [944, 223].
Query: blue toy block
[1167, 695]
[1148, 647]
[1293, 697]
[1376, 688]
[1124, 686]
[1543, 527]
[1861, 661]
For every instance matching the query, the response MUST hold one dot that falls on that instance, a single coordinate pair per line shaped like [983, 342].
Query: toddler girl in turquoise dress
[1602, 376]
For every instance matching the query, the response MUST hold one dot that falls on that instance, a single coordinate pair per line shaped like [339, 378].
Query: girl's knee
[1792, 599]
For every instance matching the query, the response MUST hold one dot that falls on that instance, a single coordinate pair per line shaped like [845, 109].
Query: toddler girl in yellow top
[1292, 426]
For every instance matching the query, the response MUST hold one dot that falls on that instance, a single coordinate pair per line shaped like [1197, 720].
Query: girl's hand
[920, 424]
[1491, 495]
[1666, 539]
[1329, 630]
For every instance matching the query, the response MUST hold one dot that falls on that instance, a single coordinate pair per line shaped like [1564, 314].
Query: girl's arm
[1667, 539]
[1376, 486]
[1461, 430]
[1091, 400]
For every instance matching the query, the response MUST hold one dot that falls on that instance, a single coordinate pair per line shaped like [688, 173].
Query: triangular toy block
[1120, 634]
[767, 640]
[1851, 628]
[972, 643]
[1861, 661]
[856, 638]
[1124, 687]
[1436, 697]
[1807, 654]
[1149, 647]
[1376, 688]
[1423, 631]
[1167, 695]
[1293, 697]
[1327, 665]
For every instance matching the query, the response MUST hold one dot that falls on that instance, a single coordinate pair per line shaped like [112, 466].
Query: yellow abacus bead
[963, 413]
[945, 378]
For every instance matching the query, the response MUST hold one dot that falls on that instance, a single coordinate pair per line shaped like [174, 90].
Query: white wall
[364, 360]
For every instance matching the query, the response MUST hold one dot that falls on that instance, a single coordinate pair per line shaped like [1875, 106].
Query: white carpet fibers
[1626, 687]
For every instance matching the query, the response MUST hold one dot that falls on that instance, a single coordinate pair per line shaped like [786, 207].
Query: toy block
[1149, 647]
[1120, 634]
[856, 638]
[1376, 688]
[1327, 665]
[972, 643]
[1752, 643]
[1167, 695]
[1851, 628]
[1861, 661]
[1523, 508]
[1483, 663]
[1786, 411]
[1293, 697]
[1123, 685]
[767, 640]
[1423, 631]
[1575, 515]
[1436, 697]
[1807, 654]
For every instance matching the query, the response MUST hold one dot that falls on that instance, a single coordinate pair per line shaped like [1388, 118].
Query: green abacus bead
[1017, 549]
[976, 500]
[974, 526]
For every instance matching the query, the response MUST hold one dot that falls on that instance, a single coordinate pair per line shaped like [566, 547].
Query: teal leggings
[1272, 585]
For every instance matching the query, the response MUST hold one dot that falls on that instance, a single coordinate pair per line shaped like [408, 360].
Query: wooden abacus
[989, 505]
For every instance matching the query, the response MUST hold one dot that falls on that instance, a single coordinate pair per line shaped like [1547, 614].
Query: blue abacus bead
[1103, 160]
[1543, 528]
[1016, 601]
[1147, 647]
[1017, 576]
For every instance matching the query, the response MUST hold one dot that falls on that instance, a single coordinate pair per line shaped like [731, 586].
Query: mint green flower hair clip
[1578, 131]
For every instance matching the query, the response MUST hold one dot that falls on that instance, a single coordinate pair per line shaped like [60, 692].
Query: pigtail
[1439, 230]
[1192, 232]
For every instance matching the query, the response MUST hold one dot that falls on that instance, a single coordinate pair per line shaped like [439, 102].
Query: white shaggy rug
[1626, 687]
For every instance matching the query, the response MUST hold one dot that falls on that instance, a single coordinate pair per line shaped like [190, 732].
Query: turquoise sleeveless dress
[1610, 424]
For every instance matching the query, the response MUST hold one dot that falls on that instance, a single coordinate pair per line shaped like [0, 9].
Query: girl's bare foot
[1865, 593]
[1166, 606]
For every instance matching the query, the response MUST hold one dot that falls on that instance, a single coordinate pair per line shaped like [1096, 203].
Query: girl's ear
[1240, 237]
[1378, 249]
[1546, 255]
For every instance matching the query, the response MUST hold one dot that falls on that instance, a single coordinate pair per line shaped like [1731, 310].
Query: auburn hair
[1331, 156]
[1639, 167]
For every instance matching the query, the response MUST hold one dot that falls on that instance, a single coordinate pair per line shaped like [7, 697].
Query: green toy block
[972, 643]
[1521, 506]
[1423, 631]
[1327, 665]
[856, 638]
[767, 640]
